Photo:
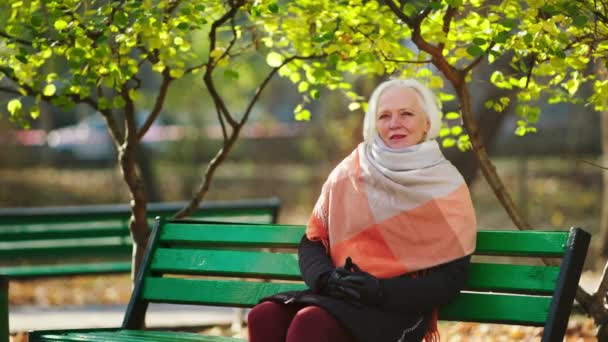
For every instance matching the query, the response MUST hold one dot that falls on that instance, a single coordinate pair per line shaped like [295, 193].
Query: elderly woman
[389, 239]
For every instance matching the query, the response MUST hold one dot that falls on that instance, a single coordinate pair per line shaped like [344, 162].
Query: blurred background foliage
[61, 159]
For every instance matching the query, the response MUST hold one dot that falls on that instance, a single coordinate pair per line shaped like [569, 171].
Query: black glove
[366, 285]
[333, 286]
[336, 288]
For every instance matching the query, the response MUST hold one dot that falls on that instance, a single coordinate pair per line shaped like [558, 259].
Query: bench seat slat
[521, 243]
[229, 263]
[212, 292]
[497, 308]
[513, 278]
[473, 306]
[172, 336]
[131, 335]
[233, 235]
[66, 269]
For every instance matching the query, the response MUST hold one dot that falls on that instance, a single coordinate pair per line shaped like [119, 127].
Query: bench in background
[94, 239]
[180, 252]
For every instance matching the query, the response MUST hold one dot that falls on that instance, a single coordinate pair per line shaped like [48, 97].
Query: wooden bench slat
[512, 278]
[173, 336]
[498, 277]
[103, 248]
[54, 232]
[498, 308]
[212, 292]
[521, 243]
[469, 306]
[226, 262]
[131, 335]
[22, 272]
[233, 234]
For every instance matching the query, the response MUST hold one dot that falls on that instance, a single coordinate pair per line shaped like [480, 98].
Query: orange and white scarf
[394, 211]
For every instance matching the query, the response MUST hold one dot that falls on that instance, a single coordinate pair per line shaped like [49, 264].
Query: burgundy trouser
[273, 322]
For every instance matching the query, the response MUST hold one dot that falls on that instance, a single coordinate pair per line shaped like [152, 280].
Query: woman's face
[400, 119]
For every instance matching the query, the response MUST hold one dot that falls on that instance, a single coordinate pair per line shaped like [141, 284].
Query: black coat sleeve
[440, 285]
[315, 263]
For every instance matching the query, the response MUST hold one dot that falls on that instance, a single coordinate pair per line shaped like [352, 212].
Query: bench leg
[4, 332]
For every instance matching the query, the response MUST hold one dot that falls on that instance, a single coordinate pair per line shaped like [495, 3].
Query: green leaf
[327, 36]
[35, 112]
[36, 19]
[502, 37]
[520, 131]
[49, 90]
[274, 59]
[274, 8]
[303, 86]
[14, 106]
[354, 106]
[479, 41]
[580, 21]
[121, 19]
[456, 130]
[452, 116]
[509, 23]
[134, 94]
[448, 142]
[303, 115]
[118, 102]
[475, 51]
[232, 74]
[104, 103]
[436, 5]
[60, 25]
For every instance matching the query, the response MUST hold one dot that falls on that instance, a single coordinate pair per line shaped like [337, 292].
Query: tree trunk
[601, 73]
[146, 169]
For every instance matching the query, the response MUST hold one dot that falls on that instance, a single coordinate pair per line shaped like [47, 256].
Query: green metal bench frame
[95, 239]
[185, 258]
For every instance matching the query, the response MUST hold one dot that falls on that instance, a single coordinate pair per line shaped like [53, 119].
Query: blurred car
[90, 140]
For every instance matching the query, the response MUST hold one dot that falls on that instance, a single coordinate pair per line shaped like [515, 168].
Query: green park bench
[229, 264]
[94, 239]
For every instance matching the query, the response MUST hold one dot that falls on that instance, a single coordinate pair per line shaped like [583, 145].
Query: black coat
[407, 302]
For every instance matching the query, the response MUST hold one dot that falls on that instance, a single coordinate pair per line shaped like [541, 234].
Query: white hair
[427, 98]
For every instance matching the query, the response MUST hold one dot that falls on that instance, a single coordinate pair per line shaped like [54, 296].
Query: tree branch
[110, 121]
[478, 59]
[222, 123]
[232, 41]
[207, 78]
[267, 79]
[216, 24]
[596, 165]
[451, 73]
[18, 40]
[158, 105]
[447, 21]
[9, 90]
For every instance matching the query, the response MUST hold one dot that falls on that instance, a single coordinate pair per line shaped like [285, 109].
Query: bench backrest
[226, 264]
[102, 230]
